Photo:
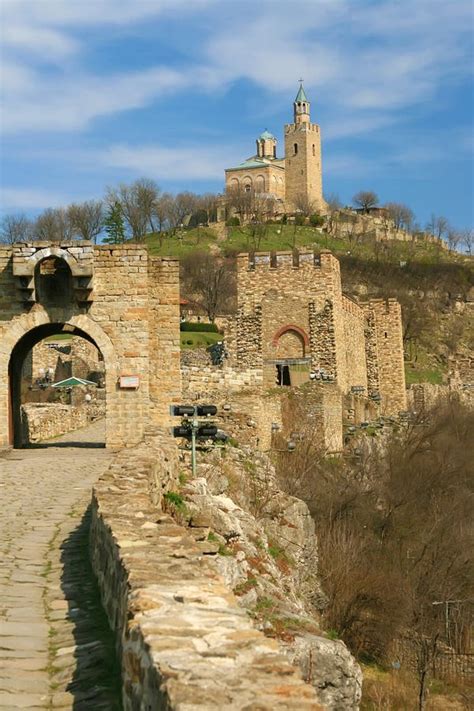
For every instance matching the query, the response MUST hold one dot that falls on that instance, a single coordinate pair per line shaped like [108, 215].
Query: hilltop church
[294, 180]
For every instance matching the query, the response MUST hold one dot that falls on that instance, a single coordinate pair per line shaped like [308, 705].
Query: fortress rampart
[118, 297]
[182, 639]
[292, 313]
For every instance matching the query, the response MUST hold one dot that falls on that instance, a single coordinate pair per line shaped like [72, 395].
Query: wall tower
[303, 172]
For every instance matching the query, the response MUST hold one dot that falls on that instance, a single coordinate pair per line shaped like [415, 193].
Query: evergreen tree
[114, 225]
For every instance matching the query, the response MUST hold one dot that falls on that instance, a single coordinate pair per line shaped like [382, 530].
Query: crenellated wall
[292, 313]
[125, 301]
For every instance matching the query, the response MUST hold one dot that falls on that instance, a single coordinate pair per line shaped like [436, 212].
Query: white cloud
[46, 43]
[368, 63]
[72, 13]
[178, 163]
[65, 103]
[30, 199]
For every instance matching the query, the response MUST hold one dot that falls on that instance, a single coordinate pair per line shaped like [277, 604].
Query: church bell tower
[303, 171]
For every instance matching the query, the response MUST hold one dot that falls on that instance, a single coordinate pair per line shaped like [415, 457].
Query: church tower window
[296, 148]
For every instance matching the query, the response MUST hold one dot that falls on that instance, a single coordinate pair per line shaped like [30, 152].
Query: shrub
[199, 326]
[299, 220]
[233, 222]
[316, 220]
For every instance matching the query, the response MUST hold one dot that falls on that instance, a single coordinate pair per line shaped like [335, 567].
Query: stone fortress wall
[124, 300]
[376, 225]
[291, 310]
[299, 297]
[63, 359]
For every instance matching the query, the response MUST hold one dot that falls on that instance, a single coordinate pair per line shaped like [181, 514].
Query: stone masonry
[183, 640]
[118, 297]
[300, 294]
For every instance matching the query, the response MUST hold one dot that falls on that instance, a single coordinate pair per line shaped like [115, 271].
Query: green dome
[265, 136]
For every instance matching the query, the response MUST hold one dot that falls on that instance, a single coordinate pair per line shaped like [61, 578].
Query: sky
[98, 92]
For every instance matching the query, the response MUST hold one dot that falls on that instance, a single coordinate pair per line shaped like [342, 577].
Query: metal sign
[129, 382]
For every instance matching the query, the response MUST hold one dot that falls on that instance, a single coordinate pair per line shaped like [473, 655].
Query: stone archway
[290, 341]
[22, 336]
[122, 299]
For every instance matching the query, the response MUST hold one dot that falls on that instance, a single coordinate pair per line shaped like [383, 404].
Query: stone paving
[56, 650]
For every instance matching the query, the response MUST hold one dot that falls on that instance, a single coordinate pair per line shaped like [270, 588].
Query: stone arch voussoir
[58, 252]
[291, 327]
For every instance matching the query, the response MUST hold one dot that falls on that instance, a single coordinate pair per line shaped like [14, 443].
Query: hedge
[198, 326]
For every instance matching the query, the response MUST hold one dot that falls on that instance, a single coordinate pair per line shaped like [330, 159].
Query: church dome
[266, 136]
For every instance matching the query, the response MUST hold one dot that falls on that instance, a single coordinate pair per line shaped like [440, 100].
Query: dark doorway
[15, 368]
[283, 374]
[53, 282]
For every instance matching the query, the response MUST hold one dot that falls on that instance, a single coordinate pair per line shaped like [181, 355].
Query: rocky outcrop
[331, 668]
[265, 548]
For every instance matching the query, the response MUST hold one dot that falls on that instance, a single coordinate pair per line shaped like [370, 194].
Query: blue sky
[100, 92]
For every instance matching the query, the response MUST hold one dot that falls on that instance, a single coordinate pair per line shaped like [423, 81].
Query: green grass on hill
[286, 237]
[423, 375]
[59, 337]
[199, 339]
[182, 243]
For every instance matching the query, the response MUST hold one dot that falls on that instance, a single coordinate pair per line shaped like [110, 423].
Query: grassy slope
[199, 339]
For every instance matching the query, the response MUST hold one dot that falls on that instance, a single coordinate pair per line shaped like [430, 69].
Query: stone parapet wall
[43, 421]
[182, 638]
[380, 227]
[224, 379]
[425, 396]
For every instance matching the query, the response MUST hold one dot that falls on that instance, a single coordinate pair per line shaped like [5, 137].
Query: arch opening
[45, 355]
[292, 366]
[53, 282]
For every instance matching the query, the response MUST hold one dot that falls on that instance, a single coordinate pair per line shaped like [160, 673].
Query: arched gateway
[119, 298]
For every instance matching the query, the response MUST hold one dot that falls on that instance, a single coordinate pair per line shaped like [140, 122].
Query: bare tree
[160, 217]
[240, 201]
[87, 219]
[303, 205]
[181, 209]
[208, 203]
[210, 280]
[53, 225]
[137, 202]
[437, 225]
[365, 199]
[402, 216]
[333, 202]
[15, 228]
[404, 518]
[453, 238]
[467, 238]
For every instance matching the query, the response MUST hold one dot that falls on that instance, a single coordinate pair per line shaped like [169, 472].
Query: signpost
[191, 428]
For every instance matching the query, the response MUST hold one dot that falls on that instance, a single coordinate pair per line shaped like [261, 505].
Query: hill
[431, 283]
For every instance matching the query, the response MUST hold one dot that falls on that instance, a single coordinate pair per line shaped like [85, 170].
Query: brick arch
[295, 329]
[57, 252]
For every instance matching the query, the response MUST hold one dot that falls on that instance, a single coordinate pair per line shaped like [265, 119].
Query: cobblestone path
[56, 651]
